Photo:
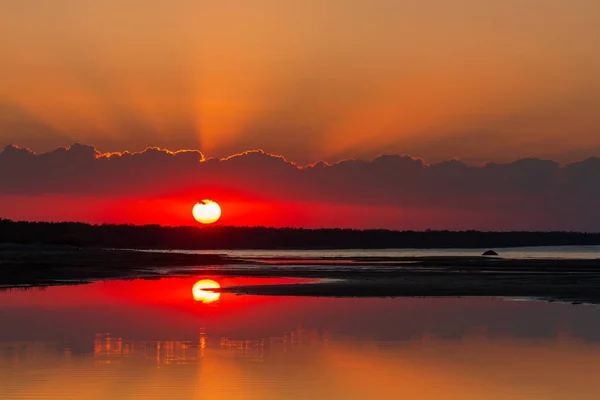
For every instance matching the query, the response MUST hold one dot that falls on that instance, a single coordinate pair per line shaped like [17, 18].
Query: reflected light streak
[201, 293]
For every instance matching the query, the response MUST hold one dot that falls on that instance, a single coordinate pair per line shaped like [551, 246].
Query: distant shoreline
[570, 280]
[263, 238]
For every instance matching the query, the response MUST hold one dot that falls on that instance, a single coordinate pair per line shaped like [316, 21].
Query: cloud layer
[391, 191]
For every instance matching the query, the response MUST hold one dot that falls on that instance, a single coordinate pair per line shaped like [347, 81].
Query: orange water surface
[153, 339]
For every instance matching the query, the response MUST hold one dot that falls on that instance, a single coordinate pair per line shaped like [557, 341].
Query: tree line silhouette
[230, 237]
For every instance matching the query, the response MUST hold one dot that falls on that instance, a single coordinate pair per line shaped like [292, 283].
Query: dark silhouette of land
[571, 280]
[551, 279]
[228, 237]
[35, 265]
[40, 254]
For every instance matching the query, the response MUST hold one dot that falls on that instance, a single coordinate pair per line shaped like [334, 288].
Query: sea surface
[175, 339]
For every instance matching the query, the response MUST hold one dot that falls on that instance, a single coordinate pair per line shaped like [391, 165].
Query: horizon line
[215, 226]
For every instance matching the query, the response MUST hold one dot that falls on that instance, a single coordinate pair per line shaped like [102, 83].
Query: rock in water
[490, 253]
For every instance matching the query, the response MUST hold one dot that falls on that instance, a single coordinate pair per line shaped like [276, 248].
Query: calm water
[162, 340]
[511, 252]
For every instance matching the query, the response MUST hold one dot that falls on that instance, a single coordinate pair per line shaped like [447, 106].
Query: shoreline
[569, 280]
[394, 289]
[30, 266]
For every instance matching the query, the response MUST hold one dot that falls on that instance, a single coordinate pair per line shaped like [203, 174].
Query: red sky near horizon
[314, 81]
[176, 211]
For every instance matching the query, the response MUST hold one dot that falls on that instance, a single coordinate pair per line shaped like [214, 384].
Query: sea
[173, 338]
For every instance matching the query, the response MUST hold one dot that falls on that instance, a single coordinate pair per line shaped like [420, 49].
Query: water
[568, 252]
[159, 339]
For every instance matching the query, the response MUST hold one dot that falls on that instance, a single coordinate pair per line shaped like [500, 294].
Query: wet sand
[52, 265]
[572, 280]
[575, 281]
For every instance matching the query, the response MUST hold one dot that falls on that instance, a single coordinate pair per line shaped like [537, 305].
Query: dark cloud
[528, 193]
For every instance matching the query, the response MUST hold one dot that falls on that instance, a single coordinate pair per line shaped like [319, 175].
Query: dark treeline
[222, 237]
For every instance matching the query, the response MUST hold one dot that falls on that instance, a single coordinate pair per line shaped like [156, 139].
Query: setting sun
[206, 212]
[201, 293]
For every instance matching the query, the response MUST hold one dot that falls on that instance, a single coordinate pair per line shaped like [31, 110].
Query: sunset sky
[330, 80]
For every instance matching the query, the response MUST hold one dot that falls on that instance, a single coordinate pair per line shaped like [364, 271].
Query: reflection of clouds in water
[107, 347]
[303, 364]
[451, 318]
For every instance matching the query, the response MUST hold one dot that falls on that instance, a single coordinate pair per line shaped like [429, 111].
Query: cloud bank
[390, 191]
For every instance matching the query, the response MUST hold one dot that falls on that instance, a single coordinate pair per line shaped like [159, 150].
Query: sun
[206, 212]
[206, 296]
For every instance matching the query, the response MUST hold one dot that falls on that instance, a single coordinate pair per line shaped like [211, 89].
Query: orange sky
[328, 79]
